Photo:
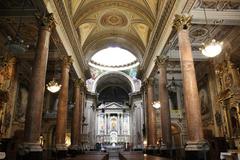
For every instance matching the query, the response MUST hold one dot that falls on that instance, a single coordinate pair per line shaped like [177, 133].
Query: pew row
[138, 156]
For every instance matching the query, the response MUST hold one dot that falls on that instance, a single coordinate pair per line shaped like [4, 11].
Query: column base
[74, 150]
[197, 150]
[166, 151]
[151, 149]
[61, 151]
[30, 151]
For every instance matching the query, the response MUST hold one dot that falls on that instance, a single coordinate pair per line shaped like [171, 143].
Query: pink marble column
[33, 120]
[81, 114]
[164, 101]
[76, 116]
[151, 117]
[63, 105]
[190, 90]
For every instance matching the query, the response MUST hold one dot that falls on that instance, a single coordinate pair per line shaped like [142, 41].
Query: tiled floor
[113, 158]
[113, 155]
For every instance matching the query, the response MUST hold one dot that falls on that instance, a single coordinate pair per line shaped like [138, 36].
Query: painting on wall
[205, 100]
[21, 106]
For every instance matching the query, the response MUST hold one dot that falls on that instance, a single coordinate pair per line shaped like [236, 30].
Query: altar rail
[106, 138]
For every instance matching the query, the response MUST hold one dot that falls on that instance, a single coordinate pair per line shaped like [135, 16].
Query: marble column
[109, 129]
[190, 90]
[120, 123]
[106, 124]
[63, 106]
[151, 117]
[81, 114]
[76, 116]
[164, 101]
[33, 120]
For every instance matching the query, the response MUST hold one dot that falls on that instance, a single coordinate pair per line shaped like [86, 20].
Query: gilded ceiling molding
[66, 32]
[189, 5]
[164, 24]
[91, 7]
[152, 44]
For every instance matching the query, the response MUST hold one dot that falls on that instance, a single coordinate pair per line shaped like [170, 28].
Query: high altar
[112, 124]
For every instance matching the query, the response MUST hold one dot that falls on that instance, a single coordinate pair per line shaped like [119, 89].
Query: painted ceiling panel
[143, 32]
[153, 5]
[85, 30]
[75, 4]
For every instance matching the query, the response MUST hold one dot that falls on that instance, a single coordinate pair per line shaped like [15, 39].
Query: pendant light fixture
[213, 47]
[16, 44]
[53, 85]
[156, 104]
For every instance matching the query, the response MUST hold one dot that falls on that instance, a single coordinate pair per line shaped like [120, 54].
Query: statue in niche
[234, 122]
[114, 124]
[21, 106]
[203, 101]
[173, 98]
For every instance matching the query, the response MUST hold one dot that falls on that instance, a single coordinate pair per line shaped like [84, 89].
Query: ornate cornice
[163, 31]
[68, 29]
[182, 22]
[157, 32]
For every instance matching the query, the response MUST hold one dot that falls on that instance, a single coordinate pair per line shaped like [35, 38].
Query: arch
[177, 131]
[111, 73]
[82, 13]
[104, 40]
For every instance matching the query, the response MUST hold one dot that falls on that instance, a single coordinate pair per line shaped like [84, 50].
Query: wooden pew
[138, 156]
[91, 156]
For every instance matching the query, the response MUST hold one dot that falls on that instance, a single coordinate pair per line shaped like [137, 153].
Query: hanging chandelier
[53, 86]
[16, 44]
[213, 47]
[156, 104]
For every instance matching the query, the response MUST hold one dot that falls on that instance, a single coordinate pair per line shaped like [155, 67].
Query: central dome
[113, 58]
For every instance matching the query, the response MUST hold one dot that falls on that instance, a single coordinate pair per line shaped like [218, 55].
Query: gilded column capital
[150, 81]
[67, 60]
[161, 61]
[46, 20]
[182, 21]
[78, 83]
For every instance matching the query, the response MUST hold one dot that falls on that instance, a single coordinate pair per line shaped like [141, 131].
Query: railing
[176, 113]
[107, 139]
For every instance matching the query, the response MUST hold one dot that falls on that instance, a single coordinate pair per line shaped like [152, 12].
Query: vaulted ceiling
[143, 27]
[124, 23]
